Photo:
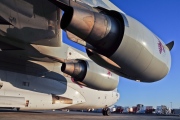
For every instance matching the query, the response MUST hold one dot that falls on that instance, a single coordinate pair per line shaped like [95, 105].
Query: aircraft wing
[35, 32]
[40, 29]
[102, 3]
[29, 32]
[113, 40]
[111, 35]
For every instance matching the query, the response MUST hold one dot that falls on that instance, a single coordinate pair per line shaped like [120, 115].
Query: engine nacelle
[103, 32]
[140, 54]
[91, 75]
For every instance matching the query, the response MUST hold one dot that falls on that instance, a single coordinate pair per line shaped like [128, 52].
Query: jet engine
[103, 32]
[140, 54]
[91, 75]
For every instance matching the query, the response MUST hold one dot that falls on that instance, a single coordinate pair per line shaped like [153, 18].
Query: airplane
[40, 72]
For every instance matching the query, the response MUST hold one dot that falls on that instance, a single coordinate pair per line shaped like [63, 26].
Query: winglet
[170, 45]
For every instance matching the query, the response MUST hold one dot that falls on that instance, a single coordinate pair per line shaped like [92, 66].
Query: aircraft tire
[108, 112]
[103, 112]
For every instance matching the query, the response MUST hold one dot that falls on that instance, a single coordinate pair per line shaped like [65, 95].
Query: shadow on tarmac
[15, 111]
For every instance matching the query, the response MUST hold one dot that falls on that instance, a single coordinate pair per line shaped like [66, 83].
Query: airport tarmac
[59, 115]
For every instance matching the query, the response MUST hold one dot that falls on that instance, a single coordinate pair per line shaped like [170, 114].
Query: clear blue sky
[163, 18]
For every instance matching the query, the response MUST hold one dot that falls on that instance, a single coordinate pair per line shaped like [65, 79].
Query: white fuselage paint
[38, 91]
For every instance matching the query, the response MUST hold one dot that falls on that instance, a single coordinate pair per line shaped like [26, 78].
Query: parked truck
[162, 110]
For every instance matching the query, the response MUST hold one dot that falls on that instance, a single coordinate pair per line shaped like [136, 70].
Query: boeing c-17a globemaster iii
[40, 72]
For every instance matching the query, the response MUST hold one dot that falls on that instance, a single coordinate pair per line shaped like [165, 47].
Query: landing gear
[17, 109]
[106, 111]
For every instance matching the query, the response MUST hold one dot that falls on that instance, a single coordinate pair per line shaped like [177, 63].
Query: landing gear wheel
[106, 112]
[103, 112]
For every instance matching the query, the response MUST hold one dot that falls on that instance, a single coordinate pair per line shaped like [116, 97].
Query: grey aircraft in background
[40, 72]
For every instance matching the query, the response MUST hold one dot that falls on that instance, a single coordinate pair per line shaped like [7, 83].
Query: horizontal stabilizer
[170, 45]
